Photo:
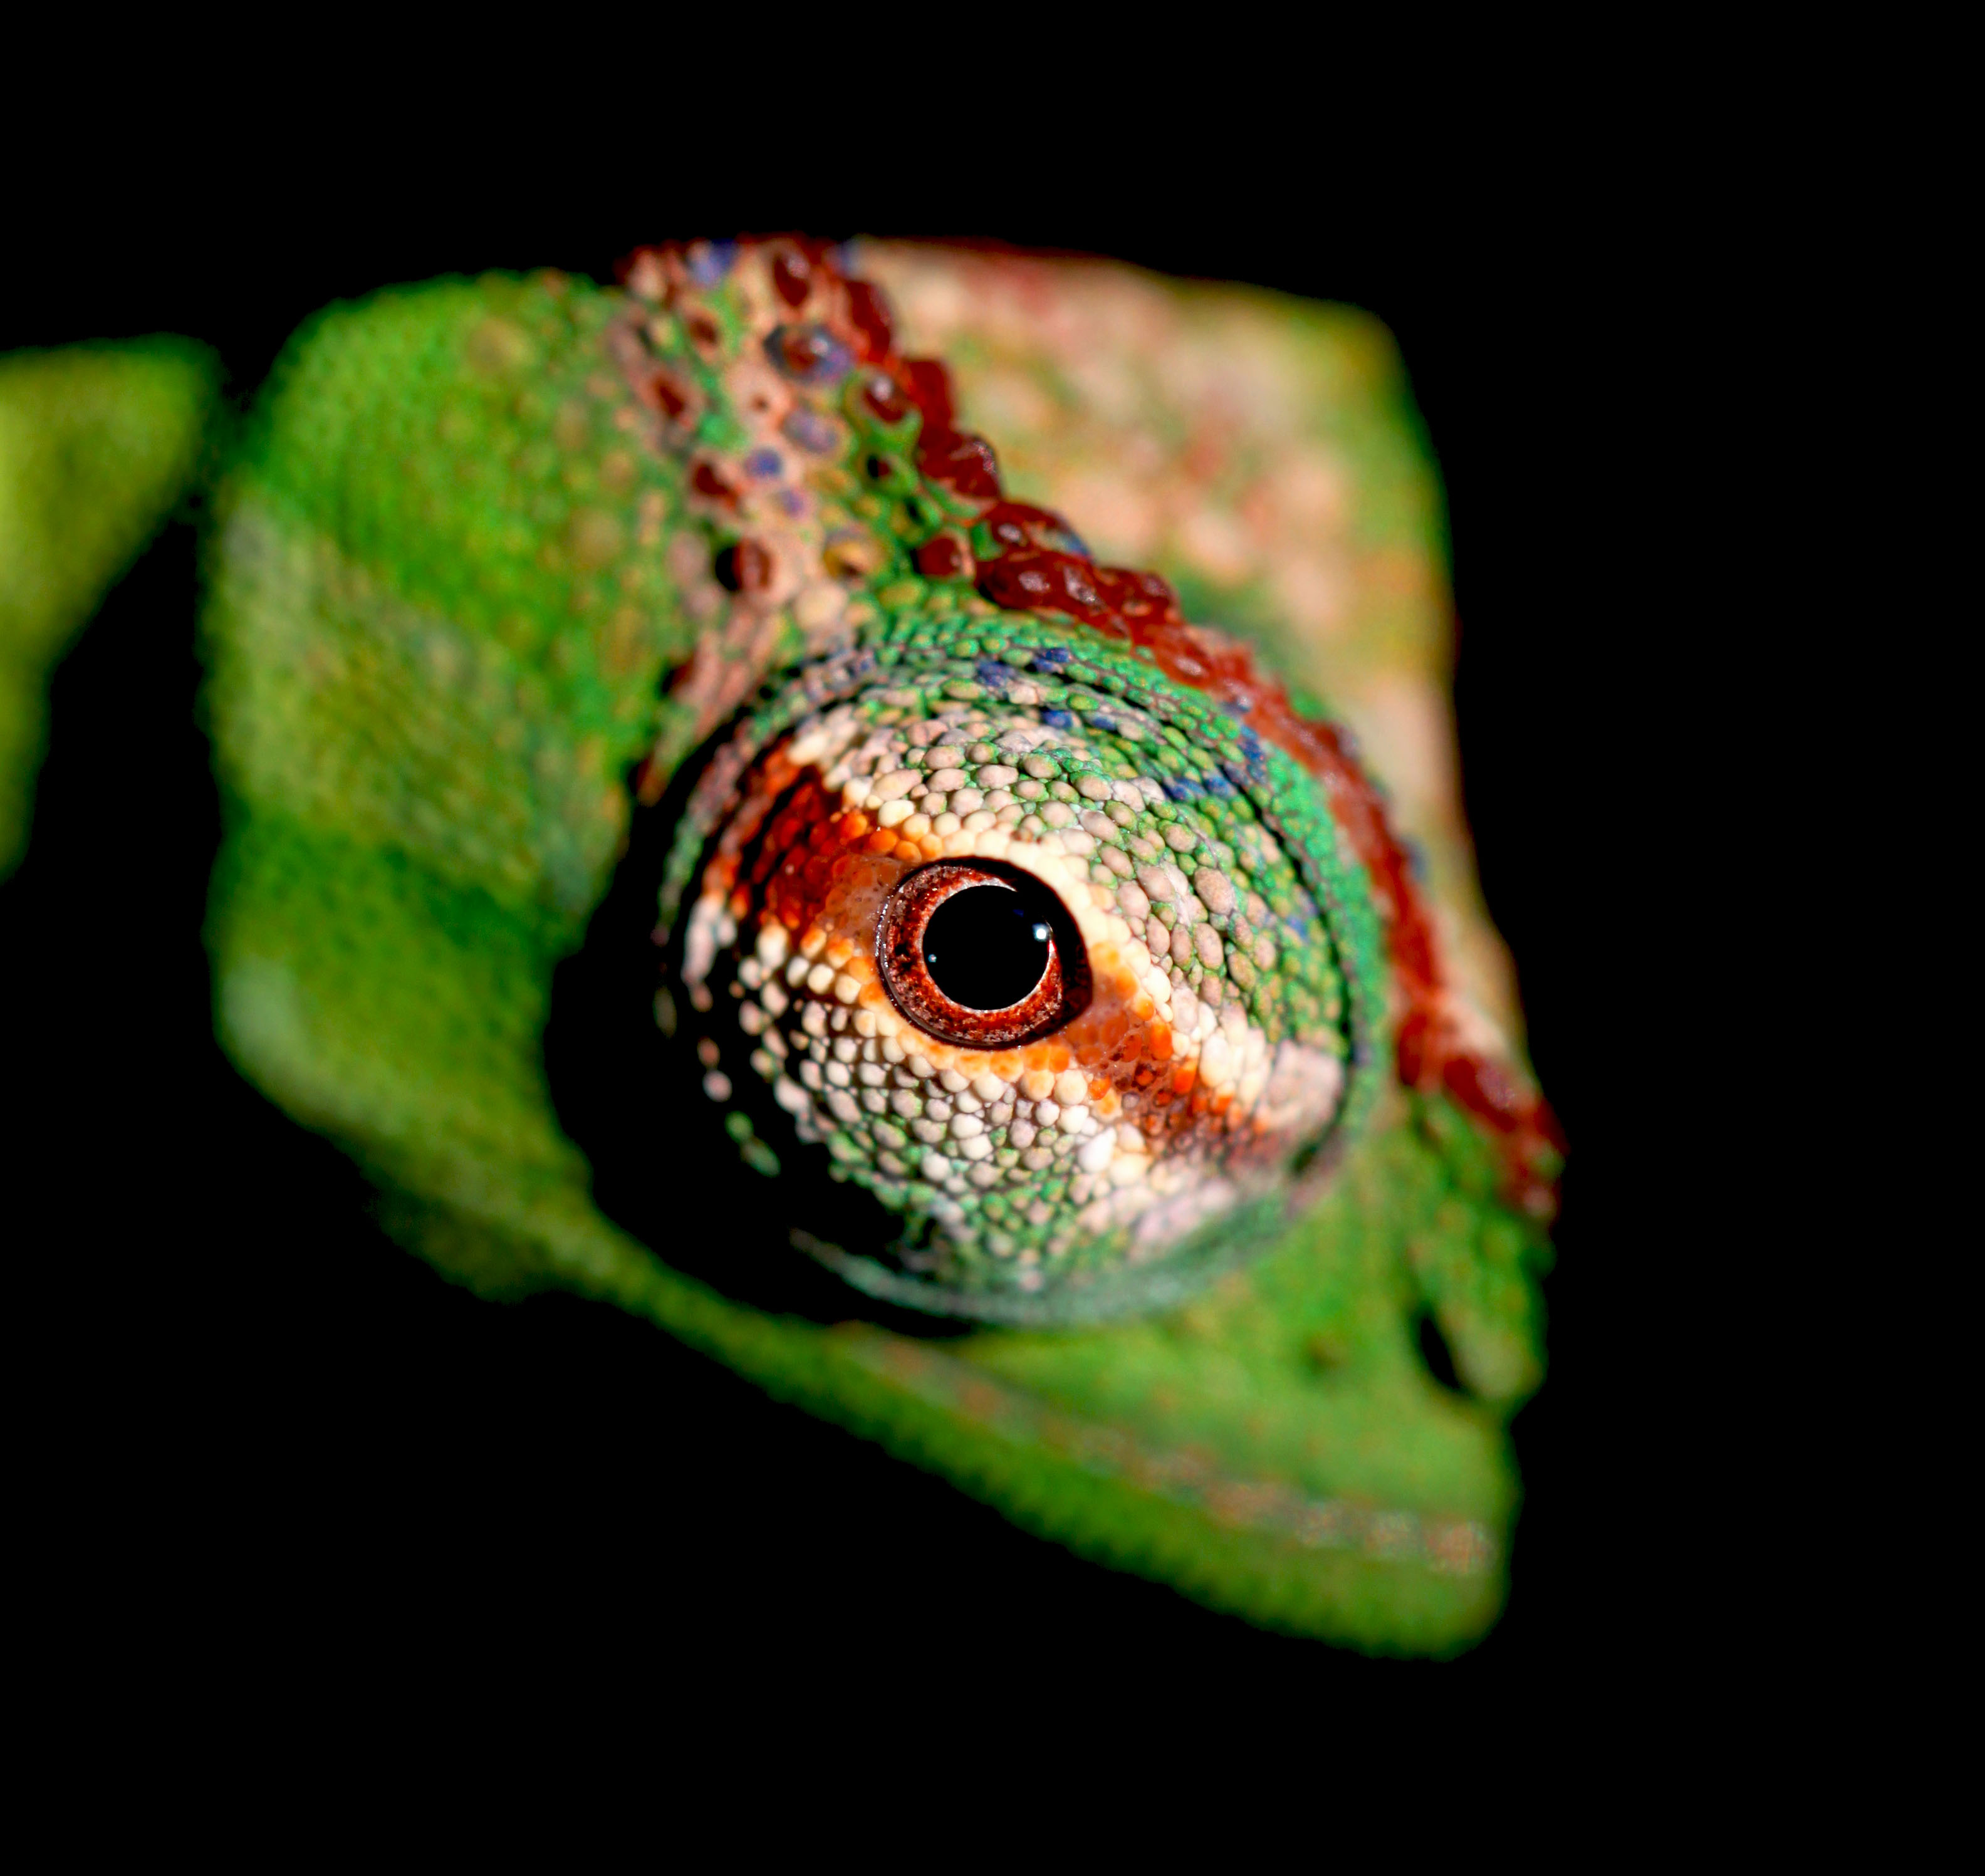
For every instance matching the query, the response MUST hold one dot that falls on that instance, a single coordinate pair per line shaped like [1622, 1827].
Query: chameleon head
[1076, 998]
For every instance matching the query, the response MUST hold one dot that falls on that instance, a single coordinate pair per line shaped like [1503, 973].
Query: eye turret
[1077, 998]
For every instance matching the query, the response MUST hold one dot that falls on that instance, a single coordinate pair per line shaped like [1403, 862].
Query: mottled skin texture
[470, 607]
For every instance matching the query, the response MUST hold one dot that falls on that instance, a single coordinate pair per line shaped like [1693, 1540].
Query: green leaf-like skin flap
[97, 443]
[435, 631]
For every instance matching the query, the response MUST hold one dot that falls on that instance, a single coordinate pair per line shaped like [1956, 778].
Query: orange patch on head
[881, 841]
[1160, 1043]
[1184, 1076]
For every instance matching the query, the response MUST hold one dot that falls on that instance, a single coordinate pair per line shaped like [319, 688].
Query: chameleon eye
[980, 955]
[1035, 1028]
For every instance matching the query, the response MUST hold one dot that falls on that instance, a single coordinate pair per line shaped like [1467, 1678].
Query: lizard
[1032, 989]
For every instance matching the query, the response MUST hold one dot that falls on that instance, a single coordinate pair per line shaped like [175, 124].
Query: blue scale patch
[710, 261]
[810, 432]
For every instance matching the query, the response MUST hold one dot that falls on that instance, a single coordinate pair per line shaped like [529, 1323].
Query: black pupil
[986, 947]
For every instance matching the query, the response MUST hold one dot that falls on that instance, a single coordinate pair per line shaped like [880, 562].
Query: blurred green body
[95, 445]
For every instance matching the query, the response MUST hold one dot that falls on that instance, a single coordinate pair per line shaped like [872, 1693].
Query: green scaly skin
[446, 586]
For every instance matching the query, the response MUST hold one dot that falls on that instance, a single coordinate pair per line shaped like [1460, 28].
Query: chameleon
[701, 832]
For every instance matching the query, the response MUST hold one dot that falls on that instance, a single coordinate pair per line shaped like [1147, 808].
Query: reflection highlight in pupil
[985, 948]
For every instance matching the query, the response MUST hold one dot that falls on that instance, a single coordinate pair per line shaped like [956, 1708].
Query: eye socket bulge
[980, 955]
[1064, 1114]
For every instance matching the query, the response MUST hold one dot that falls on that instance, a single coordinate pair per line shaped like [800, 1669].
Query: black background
[267, 1434]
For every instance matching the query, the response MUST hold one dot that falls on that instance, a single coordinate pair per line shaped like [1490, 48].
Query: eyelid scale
[459, 559]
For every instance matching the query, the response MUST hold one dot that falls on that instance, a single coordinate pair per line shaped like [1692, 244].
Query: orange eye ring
[911, 968]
